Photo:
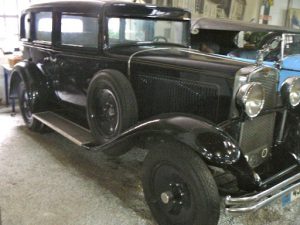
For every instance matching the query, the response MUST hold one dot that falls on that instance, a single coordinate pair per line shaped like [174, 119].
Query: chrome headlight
[251, 97]
[290, 91]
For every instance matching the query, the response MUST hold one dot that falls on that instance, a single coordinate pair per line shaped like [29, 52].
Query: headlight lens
[290, 91]
[251, 97]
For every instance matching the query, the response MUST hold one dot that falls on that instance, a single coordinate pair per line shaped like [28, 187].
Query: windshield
[291, 44]
[128, 31]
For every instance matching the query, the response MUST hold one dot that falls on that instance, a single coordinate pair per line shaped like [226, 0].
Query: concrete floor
[45, 179]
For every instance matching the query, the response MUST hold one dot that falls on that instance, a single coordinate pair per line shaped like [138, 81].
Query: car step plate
[72, 131]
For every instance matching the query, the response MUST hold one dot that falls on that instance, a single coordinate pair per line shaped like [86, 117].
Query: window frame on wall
[76, 46]
[8, 12]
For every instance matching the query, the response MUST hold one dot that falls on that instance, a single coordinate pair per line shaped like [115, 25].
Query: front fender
[215, 146]
[211, 142]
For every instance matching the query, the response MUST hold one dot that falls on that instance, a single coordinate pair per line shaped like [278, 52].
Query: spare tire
[111, 107]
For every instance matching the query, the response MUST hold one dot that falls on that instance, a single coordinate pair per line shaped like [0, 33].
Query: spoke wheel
[26, 109]
[179, 188]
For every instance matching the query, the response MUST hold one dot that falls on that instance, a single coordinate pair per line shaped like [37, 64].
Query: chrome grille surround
[256, 134]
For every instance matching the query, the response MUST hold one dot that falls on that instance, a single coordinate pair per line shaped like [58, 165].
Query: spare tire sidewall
[92, 101]
[126, 105]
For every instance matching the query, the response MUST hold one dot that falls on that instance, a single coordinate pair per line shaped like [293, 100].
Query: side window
[43, 26]
[26, 26]
[81, 31]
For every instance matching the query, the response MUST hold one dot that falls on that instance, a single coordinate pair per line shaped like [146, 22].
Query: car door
[40, 51]
[76, 59]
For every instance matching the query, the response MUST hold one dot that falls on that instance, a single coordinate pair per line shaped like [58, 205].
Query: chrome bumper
[256, 201]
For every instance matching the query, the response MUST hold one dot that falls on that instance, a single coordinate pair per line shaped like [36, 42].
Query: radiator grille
[163, 94]
[256, 135]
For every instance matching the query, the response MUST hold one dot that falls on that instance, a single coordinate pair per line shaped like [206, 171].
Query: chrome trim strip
[252, 203]
[280, 136]
[252, 208]
[138, 52]
[212, 55]
[233, 201]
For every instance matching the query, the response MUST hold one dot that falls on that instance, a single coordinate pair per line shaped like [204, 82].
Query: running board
[72, 131]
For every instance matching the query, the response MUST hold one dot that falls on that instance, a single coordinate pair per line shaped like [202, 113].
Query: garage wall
[295, 4]
[246, 10]
[278, 13]
[252, 11]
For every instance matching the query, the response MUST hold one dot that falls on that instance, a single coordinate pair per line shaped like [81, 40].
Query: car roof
[58, 3]
[231, 25]
[124, 7]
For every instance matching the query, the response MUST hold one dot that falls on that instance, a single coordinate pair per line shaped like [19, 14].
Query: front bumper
[251, 203]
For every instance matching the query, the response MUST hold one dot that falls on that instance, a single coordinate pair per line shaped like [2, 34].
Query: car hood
[291, 62]
[180, 58]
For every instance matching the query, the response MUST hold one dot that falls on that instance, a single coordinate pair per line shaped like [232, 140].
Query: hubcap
[174, 198]
[107, 112]
[166, 197]
[171, 194]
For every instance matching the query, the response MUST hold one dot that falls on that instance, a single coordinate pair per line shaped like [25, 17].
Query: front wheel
[179, 187]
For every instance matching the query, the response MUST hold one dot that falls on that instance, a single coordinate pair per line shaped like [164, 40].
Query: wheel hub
[166, 197]
[107, 111]
[174, 198]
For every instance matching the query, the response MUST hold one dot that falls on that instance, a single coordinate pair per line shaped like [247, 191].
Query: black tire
[111, 107]
[179, 187]
[27, 109]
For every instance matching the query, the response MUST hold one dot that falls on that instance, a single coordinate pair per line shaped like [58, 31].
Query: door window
[80, 31]
[43, 26]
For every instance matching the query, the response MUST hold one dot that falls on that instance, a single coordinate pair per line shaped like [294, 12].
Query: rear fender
[35, 83]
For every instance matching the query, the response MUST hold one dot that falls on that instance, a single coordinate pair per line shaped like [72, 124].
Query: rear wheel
[27, 110]
[179, 187]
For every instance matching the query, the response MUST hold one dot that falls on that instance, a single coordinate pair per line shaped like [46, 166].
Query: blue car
[274, 46]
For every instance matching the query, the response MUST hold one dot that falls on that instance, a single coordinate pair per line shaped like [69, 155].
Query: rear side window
[43, 26]
[25, 26]
[80, 31]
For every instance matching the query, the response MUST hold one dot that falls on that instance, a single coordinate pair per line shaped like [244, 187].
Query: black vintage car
[110, 75]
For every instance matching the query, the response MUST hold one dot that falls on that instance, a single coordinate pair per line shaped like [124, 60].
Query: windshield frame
[285, 42]
[149, 43]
